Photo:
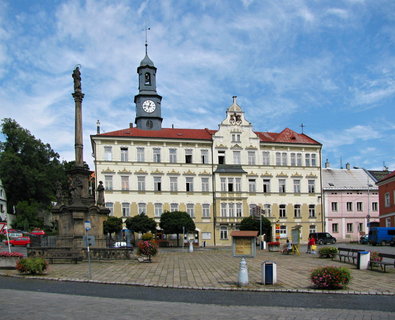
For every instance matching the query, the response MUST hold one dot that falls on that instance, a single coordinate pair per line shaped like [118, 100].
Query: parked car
[38, 232]
[20, 241]
[364, 239]
[323, 238]
[381, 235]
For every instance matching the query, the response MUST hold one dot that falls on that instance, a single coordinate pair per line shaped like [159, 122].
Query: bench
[70, 256]
[347, 253]
[384, 262]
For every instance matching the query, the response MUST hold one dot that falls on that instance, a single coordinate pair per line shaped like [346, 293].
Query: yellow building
[217, 176]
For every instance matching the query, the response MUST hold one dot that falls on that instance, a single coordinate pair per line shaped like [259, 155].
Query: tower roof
[146, 62]
[234, 107]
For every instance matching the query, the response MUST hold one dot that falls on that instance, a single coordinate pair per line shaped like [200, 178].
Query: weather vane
[302, 126]
[146, 38]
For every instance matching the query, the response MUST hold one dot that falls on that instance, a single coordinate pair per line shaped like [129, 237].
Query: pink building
[350, 202]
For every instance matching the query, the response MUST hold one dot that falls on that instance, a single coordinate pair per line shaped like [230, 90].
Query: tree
[112, 225]
[176, 222]
[251, 223]
[29, 170]
[141, 223]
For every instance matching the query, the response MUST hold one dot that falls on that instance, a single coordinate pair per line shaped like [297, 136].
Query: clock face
[149, 106]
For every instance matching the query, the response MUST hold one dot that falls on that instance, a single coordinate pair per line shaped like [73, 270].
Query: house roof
[346, 179]
[388, 176]
[285, 136]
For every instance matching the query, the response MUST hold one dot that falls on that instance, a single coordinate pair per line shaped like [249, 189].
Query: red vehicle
[38, 232]
[20, 241]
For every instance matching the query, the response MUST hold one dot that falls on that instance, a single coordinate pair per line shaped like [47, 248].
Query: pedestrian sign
[88, 225]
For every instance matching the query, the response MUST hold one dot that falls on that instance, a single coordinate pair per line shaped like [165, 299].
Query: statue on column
[100, 194]
[76, 187]
[77, 79]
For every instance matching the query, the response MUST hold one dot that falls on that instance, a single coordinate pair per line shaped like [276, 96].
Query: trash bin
[269, 272]
[363, 260]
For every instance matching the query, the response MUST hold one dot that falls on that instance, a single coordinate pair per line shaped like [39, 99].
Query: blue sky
[327, 64]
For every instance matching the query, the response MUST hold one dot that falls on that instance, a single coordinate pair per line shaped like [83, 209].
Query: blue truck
[381, 235]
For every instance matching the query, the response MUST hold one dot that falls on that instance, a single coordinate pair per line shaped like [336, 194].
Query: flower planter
[8, 262]
[274, 248]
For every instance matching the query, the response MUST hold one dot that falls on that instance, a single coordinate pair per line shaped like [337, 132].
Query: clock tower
[148, 102]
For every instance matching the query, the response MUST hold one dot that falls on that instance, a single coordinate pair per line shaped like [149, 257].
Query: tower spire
[146, 39]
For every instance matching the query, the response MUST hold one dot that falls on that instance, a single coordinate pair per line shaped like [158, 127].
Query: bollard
[243, 273]
[190, 245]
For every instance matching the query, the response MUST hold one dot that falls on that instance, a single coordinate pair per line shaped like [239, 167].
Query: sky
[327, 64]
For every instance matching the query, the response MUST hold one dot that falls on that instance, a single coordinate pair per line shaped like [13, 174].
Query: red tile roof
[389, 176]
[285, 136]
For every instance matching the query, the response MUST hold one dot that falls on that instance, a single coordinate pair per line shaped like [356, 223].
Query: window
[349, 206]
[360, 227]
[311, 186]
[108, 182]
[374, 206]
[124, 154]
[108, 153]
[206, 235]
[349, 227]
[173, 207]
[224, 233]
[172, 155]
[251, 185]
[313, 160]
[110, 206]
[238, 184]
[223, 184]
[283, 231]
[335, 228]
[281, 185]
[141, 183]
[125, 209]
[278, 159]
[239, 210]
[236, 157]
[334, 206]
[297, 186]
[223, 210]
[125, 182]
[205, 185]
[284, 160]
[173, 184]
[312, 228]
[206, 210]
[311, 210]
[147, 79]
[158, 209]
[297, 210]
[266, 185]
[191, 210]
[236, 137]
[299, 159]
[188, 156]
[140, 154]
[283, 212]
[189, 184]
[251, 158]
[388, 222]
[387, 201]
[157, 183]
[231, 209]
[268, 210]
[156, 155]
[359, 206]
[307, 159]
[204, 156]
[266, 158]
[221, 157]
[230, 185]
[142, 208]
[293, 159]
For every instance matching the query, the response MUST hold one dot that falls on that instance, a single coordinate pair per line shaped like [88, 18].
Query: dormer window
[147, 80]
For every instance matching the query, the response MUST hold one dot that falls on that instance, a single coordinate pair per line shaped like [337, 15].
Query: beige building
[217, 176]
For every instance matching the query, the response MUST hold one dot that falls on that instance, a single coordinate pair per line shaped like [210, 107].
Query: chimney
[130, 124]
[98, 126]
[327, 164]
[348, 166]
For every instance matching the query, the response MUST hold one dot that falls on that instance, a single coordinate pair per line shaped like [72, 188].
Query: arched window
[147, 79]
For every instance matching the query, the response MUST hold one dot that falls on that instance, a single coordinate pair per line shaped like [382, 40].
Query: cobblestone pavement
[45, 306]
[216, 268]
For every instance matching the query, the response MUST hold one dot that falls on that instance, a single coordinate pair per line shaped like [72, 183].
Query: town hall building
[217, 176]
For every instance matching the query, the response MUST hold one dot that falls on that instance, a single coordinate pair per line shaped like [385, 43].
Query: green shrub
[147, 236]
[32, 265]
[330, 277]
[328, 252]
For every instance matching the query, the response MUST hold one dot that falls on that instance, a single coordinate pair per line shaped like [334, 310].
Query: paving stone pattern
[216, 268]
